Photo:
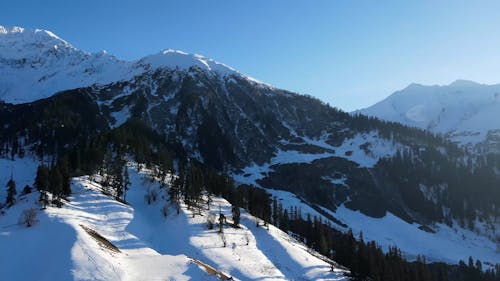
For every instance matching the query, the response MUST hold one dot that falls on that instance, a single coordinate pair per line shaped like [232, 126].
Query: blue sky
[350, 54]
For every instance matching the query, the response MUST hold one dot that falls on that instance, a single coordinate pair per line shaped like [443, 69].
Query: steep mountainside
[463, 111]
[266, 137]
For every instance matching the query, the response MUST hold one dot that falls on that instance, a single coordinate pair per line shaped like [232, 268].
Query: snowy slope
[446, 244]
[463, 110]
[151, 246]
[350, 149]
[36, 64]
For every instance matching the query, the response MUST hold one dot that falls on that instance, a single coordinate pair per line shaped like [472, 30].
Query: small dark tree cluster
[114, 174]
[193, 189]
[11, 148]
[53, 183]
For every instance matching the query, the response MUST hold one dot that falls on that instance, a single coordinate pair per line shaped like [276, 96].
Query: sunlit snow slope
[151, 246]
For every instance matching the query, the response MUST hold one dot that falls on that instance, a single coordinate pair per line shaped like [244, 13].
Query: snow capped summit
[182, 60]
[27, 32]
[176, 59]
[462, 110]
[20, 43]
[36, 63]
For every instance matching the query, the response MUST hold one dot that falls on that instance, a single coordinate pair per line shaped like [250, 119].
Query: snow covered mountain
[463, 111]
[35, 64]
[352, 171]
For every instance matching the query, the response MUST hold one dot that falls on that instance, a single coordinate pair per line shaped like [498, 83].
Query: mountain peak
[170, 58]
[175, 58]
[413, 86]
[463, 109]
[25, 33]
[464, 83]
[23, 43]
[36, 63]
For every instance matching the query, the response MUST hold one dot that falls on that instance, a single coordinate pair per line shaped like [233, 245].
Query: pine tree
[42, 183]
[275, 212]
[26, 190]
[11, 192]
[118, 180]
[285, 221]
[194, 187]
[55, 182]
[236, 215]
[65, 177]
[126, 183]
[176, 189]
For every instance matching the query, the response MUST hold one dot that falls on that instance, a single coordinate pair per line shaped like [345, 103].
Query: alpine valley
[178, 167]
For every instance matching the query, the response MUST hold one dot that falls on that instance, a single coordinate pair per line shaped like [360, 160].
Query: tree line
[366, 259]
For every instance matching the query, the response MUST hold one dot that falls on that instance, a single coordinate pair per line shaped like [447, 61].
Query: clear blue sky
[348, 53]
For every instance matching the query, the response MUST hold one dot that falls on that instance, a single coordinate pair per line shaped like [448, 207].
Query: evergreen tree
[285, 221]
[118, 180]
[11, 192]
[194, 187]
[26, 190]
[42, 183]
[63, 166]
[176, 190]
[236, 215]
[55, 182]
[275, 212]
[126, 183]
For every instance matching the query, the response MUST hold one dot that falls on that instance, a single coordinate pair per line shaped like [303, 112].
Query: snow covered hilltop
[178, 167]
[35, 64]
[463, 111]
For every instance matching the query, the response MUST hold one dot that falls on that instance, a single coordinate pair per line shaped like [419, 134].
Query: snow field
[152, 247]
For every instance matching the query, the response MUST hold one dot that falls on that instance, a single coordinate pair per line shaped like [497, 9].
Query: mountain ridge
[36, 63]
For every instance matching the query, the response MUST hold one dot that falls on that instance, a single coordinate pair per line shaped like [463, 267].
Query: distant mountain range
[464, 111]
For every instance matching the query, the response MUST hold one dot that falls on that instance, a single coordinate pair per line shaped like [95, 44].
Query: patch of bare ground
[100, 239]
[210, 270]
